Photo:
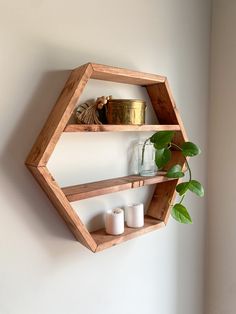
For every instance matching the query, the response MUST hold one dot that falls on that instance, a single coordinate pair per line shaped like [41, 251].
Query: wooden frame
[163, 103]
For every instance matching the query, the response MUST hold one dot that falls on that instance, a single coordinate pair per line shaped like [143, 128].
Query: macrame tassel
[88, 114]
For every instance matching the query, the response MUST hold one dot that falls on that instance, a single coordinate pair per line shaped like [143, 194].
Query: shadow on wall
[38, 213]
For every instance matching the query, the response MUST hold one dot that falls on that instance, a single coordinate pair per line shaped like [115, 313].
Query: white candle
[135, 215]
[114, 221]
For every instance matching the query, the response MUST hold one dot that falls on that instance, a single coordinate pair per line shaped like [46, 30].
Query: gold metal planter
[125, 111]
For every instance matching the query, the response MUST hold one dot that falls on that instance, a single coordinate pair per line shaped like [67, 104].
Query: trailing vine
[162, 142]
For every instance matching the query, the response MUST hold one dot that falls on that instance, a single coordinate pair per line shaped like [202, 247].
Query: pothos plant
[162, 142]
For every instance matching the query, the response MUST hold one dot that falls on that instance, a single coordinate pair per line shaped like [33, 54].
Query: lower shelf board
[105, 240]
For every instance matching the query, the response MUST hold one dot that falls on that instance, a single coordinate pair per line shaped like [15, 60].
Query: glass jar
[146, 159]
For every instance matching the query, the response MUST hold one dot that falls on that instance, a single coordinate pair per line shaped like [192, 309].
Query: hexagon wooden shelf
[57, 123]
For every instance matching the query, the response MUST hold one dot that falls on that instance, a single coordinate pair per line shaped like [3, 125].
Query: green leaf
[162, 138]
[182, 188]
[190, 149]
[180, 213]
[162, 157]
[175, 172]
[196, 188]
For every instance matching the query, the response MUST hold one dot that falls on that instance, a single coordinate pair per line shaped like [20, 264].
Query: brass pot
[125, 111]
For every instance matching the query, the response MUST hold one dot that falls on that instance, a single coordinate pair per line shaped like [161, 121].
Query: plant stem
[143, 149]
[189, 170]
[182, 198]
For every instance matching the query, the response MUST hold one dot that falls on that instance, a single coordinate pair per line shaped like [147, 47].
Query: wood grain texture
[59, 116]
[83, 191]
[162, 199]
[167, 212]
[165, 108]
[119, 128]
[105, 241]
[176, 112]
[57, 197]
[121, 75]
[167, 113]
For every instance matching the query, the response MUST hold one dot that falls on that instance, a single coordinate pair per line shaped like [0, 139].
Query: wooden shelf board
[119, 128]
[105, 240]
[87, 190]
[125, 76]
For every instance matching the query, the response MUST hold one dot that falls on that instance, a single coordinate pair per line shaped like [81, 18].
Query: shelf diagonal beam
[59, 116]
[164, 105]
[165, 108]
[162, 200]
[57, 197]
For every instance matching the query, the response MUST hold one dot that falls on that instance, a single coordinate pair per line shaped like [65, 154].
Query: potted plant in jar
[162, 142]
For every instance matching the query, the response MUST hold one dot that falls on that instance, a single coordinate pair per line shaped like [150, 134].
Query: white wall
[42, 268]
[222, 214]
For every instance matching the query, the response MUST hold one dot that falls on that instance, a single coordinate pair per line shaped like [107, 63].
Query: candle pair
[115, 220]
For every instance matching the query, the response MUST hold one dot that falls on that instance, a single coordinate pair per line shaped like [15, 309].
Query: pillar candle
[114, 221]
[135, 215]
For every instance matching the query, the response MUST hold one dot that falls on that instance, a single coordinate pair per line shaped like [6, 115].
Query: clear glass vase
[146, 159]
